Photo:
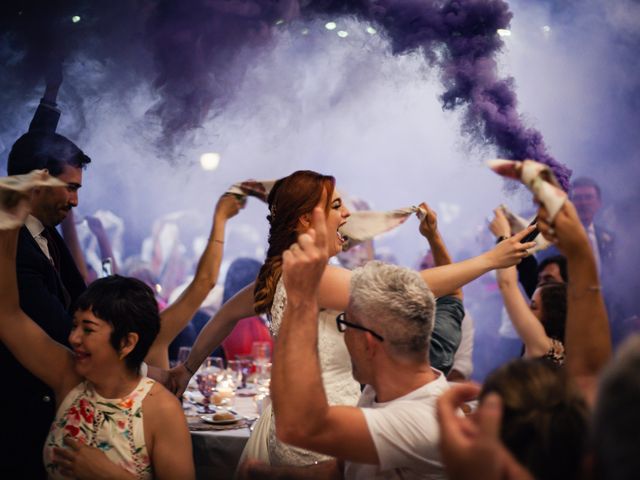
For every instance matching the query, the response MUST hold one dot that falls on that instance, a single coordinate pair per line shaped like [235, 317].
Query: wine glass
[261, 352]
[207, 379]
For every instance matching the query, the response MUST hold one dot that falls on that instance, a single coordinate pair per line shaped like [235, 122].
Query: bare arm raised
[178, 314]
[333, 292]
[33, 348]
[587, 336]
[214, 332]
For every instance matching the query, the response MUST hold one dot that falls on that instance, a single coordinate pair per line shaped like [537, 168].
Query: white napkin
[538, 178]
[14, 204]
[518, 223]
[361, 226]
[367, 224]
[253, 188]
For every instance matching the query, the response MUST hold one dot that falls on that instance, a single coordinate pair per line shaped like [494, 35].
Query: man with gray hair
[393, 432]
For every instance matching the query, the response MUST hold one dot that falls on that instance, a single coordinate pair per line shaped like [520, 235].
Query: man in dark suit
[48, 282]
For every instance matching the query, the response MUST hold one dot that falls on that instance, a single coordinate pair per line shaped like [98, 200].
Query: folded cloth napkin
[538, 178]
[360, 227]
[518, 223]
[14, 204]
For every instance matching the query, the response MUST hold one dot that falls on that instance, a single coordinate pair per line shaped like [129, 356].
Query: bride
[291, 203]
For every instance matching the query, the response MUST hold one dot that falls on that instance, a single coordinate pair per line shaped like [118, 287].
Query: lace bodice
[339, 385]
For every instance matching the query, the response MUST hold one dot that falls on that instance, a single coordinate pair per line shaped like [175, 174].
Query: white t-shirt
[406, 435]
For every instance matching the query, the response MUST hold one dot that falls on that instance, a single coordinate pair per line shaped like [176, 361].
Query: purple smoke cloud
[200, 50]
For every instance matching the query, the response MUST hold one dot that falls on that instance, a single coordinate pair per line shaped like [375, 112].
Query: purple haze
[200, 49]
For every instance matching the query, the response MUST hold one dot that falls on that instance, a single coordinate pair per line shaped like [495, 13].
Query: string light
[330, 25]
[75, 18]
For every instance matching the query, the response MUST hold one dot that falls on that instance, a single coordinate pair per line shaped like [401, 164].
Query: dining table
[217, 447]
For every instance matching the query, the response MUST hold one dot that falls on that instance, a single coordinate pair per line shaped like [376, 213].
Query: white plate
[209, 419]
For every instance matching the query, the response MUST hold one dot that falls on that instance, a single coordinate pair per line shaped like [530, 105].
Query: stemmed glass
[246, 363]
[207, 379]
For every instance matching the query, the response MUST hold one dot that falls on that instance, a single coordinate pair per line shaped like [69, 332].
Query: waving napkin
[538, 178]
[14, 206]
[365, 225]
[518, 223]
[360, 227]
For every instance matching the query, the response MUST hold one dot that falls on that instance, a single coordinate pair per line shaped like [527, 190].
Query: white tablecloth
[216, 453]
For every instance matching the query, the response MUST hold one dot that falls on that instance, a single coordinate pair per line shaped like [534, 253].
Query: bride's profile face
[337, 216]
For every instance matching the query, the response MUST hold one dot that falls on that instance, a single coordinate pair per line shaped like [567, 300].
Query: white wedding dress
[339, 385]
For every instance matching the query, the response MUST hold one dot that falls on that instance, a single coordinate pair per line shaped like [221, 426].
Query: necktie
[54, 251]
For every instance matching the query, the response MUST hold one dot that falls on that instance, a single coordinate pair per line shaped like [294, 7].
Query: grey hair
[396, 303]
[616, 415]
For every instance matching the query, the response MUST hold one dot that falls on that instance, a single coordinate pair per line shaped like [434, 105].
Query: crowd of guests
[365, 358]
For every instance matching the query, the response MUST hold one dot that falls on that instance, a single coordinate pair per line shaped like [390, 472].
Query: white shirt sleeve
[463, 360]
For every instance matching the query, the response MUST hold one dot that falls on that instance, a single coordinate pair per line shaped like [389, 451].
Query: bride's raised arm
[443, 280]
[211, 336]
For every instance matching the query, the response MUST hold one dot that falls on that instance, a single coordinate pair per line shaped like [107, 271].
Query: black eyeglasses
[343, 324]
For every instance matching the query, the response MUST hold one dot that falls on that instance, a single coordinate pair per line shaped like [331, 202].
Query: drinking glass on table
[183, 354]
[234, 367]
[263, 375]
[246, 365]
[207, 379]
[261, 352]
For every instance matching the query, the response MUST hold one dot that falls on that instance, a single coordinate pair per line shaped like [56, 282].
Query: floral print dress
[114, 426]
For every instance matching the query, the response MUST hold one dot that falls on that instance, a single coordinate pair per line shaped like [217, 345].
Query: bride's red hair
[291, 198]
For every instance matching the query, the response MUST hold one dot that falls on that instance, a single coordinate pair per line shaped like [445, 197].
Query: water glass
[261, 352]
[183, 354]
[246, 363]
[234, 367]
[263, 375]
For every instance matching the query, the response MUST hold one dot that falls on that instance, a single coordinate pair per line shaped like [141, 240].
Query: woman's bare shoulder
[160, 402]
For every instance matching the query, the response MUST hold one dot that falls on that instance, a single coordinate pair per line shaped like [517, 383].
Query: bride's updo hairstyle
[290, 198]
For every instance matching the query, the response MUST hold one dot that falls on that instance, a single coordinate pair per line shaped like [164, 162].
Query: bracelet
[500, 238]
[219, 241]
[585, 291]
[188, 369]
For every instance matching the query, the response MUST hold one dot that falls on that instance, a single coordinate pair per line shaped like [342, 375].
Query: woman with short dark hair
[111, 421]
